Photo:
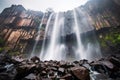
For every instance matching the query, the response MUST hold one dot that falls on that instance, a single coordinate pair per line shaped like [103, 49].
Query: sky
[42, 5]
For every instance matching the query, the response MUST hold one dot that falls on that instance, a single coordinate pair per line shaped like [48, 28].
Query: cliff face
[17, 16]
[19, 27]
[103, 13]
[117, 1]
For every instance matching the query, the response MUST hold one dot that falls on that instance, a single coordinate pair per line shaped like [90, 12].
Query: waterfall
[80, 50]
[89, 50]
[37, 38]
[45, 36]
[53, 40]
[55, 46]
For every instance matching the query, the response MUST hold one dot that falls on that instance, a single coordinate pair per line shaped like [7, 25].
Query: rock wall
[19, 27]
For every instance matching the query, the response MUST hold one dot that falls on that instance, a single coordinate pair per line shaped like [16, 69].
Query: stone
[2, 69]
[76, 62]
[61, 70]
[35, 59]
[51, 73]
[62, 64]
[45, 79]
[54, 68]
[107, 64]
[67, 77]
[52, 77]
[24, 70]
[98, 76]
[80, 73]
[84, 61]
[97, 66]
[43, 73]
[31, 77]
[5, 76]
[115, 61]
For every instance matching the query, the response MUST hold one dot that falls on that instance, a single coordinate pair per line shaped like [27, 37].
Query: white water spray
[80, 52]
[82, 26]
[37, 38]
[57, 49]
[54, 50]
[45, 36]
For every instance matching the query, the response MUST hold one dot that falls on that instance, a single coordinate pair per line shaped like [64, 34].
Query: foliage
[14, 53]
[2, 42]
[4, 49]
[1, 49]
[112, 37]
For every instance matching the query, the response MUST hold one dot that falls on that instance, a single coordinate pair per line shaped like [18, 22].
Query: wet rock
[34, 69]
[80, 73]
[43, 66]
[43, 73]
[4, 57]
[52, 77]
[45, 79]
[54, 68]
[115, 60]
[67, 77]
[98, 67]
[76, 62]
[61, 70]
[84, 61]
[24, 70]
[51, 73]
[35, 59]
[104, 63]
[5, 76]
[76, 65]
[98, 76]
[2, 69]
[62, 64]
[30, 77]
[70, 64]
[108, 66]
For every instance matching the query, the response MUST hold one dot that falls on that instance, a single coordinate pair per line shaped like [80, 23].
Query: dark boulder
[80, 73]
[35, 59]
[24, 70]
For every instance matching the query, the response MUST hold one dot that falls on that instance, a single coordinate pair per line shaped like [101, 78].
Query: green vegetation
[14, 53]
[2, 42]
[110, 38]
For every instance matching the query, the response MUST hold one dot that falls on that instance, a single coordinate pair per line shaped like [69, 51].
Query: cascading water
[37, 38]
[86, 46]
[45, 36]
[91, 47]
[53, 40]
[55, 48]
[79, 52]
[85, 50]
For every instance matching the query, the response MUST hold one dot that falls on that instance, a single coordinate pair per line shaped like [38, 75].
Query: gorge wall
[19, 27]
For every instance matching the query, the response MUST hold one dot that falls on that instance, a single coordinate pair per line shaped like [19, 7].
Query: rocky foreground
[18, 68]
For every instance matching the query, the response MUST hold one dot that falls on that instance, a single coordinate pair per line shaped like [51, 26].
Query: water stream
[37, 38]
[80, 50]
[43, 50]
